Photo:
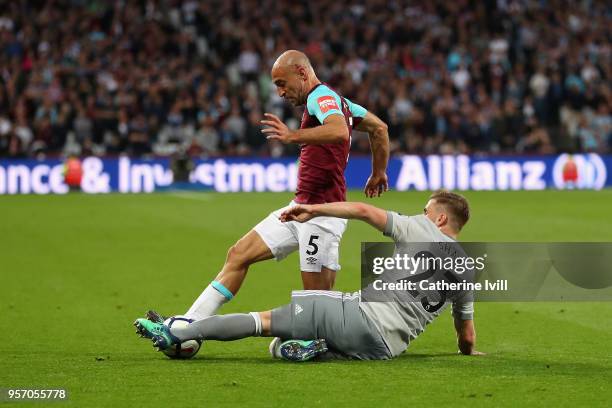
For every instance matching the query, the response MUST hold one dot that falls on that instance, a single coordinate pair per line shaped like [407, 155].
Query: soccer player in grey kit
[342, 324]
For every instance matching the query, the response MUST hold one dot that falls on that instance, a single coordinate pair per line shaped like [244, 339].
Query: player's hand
[276, 129]
[376, 185]
[299, 213]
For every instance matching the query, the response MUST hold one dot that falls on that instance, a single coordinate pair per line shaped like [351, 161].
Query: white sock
[209, 302]
[258, 324]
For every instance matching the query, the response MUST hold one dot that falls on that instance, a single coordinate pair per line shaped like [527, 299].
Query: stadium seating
[157, 78]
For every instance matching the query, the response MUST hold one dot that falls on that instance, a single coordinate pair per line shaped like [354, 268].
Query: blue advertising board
[461, 172]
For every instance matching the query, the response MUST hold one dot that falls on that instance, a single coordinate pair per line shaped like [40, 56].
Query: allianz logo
[464, 173]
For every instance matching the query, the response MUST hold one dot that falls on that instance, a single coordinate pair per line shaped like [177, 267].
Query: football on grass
[186, 349]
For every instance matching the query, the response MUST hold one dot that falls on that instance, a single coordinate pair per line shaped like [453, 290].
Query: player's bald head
[293, 76]
[292, 59]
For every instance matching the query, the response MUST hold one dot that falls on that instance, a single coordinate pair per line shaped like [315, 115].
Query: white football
[186, 349]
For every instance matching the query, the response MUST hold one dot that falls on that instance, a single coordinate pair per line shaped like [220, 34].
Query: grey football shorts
[333, 316]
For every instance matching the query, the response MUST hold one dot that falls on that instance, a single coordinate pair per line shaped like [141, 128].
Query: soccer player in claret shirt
[324, 137]
[346, 325]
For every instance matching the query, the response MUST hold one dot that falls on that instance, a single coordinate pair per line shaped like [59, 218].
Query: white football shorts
[318, 240]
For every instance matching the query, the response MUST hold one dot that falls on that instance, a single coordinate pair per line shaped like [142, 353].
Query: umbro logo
[311, 260]
[298, 309]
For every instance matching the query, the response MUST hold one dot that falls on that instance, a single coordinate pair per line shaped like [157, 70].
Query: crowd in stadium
[161, 77]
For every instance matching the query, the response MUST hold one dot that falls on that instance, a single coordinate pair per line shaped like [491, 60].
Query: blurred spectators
[161, 77]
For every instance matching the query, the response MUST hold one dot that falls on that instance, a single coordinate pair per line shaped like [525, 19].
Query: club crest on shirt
[327, 103]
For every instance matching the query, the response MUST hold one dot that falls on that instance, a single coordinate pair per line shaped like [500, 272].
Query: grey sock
[224, 328]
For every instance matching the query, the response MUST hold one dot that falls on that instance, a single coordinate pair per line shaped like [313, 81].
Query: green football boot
[302, 350]
[157, 332]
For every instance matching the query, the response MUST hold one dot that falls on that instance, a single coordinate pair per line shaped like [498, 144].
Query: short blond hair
[456, 205]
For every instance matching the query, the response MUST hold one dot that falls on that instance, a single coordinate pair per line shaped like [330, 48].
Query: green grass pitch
[77, 270]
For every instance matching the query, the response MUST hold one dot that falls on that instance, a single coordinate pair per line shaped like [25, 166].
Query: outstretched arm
[333, 130]
[466, 337]
[374, 216]
[378, 134]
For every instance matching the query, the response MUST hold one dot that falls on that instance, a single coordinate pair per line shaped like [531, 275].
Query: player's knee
[233, 254]
[236, 255]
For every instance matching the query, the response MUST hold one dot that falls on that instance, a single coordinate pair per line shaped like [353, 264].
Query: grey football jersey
[403, 317]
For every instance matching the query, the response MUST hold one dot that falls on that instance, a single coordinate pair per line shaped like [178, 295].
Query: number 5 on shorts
[311, 243]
